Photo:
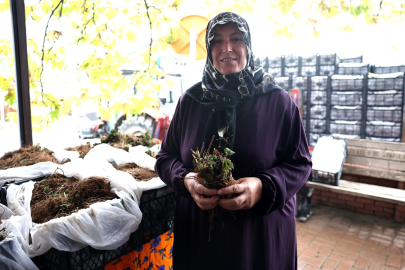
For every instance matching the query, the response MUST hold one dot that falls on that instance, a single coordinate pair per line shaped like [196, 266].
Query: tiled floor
[339, 239]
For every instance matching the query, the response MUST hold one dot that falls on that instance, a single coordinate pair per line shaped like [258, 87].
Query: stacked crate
[346, 113]
[327, 64]
[357, 59]
[315, 109]
[275, 66]
[387, 69]
[353, 69]
[308, 65]
[283, 82]
[385, 100]
[292, 65]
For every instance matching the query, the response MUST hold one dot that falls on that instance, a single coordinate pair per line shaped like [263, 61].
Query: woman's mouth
[228, 59]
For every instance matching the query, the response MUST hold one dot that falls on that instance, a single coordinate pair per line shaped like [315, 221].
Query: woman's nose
[227, 46]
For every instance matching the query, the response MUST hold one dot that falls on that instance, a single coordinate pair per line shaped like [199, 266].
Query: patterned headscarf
[223, 93]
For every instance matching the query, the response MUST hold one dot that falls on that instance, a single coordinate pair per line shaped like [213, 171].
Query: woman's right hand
[198, 191]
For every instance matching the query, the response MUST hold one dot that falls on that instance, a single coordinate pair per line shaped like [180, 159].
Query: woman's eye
[216, 41]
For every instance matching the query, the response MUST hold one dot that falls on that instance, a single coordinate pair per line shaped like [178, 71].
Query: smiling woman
[241, 107]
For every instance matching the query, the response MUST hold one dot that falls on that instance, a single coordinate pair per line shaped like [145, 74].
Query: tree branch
[150, 26]
[43, 49]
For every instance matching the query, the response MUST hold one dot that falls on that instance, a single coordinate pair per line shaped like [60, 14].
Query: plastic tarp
[27, 172]
[329, 154]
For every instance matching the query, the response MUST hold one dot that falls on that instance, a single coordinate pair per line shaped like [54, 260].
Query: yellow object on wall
[182, 44]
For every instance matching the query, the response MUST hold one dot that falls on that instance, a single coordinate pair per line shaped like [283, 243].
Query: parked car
[91, 126]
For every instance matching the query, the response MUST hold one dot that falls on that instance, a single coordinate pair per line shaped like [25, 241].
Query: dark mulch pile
[140, 174]
[124, 141]
[26, 156]
[58, 196]
[82, 149]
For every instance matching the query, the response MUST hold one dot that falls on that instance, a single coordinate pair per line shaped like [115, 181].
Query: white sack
[328, 154]
[27, 172]
[12, 257]
[111, 154]
[139, 157]
[63, 155]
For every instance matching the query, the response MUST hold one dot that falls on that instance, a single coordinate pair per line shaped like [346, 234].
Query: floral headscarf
[223, 93]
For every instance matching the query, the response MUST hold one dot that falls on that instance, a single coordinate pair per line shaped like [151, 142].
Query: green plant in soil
[3, 234]
[214, 172]
[124, 141]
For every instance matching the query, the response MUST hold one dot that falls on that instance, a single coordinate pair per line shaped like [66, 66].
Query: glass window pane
[9, 129]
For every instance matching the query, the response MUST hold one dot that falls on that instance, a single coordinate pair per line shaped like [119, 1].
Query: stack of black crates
[385, 100]
[340, 97]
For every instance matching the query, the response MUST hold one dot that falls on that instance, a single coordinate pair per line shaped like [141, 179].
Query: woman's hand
[197, 191]
[250, 192]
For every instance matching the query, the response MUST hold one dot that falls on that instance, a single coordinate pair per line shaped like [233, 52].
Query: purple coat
[270, 144]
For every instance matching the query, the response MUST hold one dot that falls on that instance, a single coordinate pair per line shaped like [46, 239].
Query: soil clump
[139, 173]
[58, 196]
[124, 141]
[82, 149]
[25, 156]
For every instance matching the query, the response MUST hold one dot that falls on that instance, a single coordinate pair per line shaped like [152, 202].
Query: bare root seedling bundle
[139, 173]
[58, 196]
[26, 156]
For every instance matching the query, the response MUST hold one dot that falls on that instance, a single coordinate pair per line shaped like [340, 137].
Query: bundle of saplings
[57, 196]
[26, 156]
[124, 141]
[139, 173]
[214, 171]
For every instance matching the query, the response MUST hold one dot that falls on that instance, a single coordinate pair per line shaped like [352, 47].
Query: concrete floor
[334, 238]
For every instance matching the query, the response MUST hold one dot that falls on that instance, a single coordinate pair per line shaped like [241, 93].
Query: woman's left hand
[249, 190]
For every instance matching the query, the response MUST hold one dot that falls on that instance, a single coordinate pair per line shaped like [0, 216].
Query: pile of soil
[82, 149]
[25, 156]
[124, 141]
[58, 196]
[140, 174]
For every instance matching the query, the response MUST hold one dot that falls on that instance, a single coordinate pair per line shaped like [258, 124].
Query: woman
[249, 114]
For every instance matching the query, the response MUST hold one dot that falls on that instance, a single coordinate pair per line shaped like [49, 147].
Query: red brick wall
[373, 181]
[361, 205]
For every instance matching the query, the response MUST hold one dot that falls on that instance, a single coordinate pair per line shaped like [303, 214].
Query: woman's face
[228, 49]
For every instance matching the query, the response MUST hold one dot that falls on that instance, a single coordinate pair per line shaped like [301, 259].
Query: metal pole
[21, 70]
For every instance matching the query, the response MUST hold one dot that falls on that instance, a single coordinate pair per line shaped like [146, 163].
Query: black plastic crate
[389, 114]
[346, 98]
[388, 69]
[345, 127]
[317, 126]
[328, 177]
[309, 60]
[86, 258]
[327, 70]
[317, 97]
[353, 69]
[328, 60]
[313, 138]
[319, 83]
[275, 71]
[292, 60]
[158, 207]
[292, 71]
[358, 59]
[283, 82]
[300, 82]
[383, 129]
[308, 71]
[386, 83]
[349, 113]
[317, 112]
[275, 61]
[347, 83]
[264, 63]
[384, 98]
